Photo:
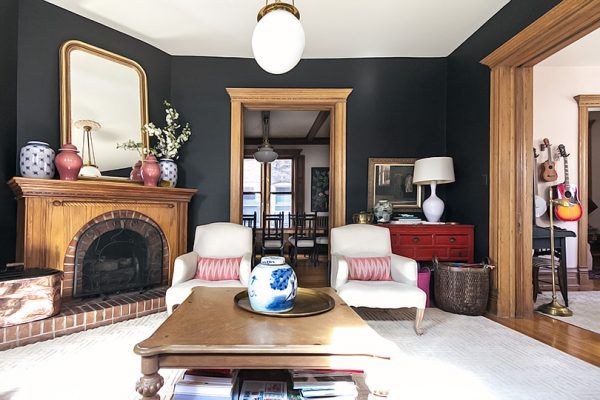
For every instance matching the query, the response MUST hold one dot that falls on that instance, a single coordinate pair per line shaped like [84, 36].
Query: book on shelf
[205, 385]
[323, 384]
[263, 390]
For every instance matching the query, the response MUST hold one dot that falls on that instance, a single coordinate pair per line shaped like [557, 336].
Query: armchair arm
[339, 271]
[245, 269]
[184, 267]
[404, 270]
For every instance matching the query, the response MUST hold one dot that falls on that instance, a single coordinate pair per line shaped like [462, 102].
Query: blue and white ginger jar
[168, 172]
[36, 160]
[273, 286]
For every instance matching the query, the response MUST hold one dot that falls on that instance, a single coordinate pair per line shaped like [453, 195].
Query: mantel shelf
[97, 190]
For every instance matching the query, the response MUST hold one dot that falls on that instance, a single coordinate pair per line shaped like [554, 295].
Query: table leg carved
[151, 381]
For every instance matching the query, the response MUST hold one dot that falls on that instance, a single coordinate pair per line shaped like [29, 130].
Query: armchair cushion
[218, 269]
[369, 268]
[382, 294]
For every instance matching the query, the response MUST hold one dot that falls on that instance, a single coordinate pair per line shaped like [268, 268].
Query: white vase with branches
[166, 143]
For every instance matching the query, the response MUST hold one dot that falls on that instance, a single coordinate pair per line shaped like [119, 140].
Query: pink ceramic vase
[150, 171]
[68, 162]
[136, 172]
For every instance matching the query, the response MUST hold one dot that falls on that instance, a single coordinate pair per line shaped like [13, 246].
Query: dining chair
[272, 234]
[250, 220]
[303, 239]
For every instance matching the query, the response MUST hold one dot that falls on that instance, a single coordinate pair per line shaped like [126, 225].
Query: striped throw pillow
[218, 269]
[369, 268]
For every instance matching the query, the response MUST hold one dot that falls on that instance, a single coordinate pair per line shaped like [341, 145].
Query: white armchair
[217, 240]
[359, 240]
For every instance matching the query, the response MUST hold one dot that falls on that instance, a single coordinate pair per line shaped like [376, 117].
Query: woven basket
[461, 290]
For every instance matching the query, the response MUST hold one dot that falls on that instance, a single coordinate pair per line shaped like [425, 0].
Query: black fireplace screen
[116, 256]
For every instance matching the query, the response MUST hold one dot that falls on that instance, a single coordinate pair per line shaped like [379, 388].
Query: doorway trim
[332, 100]
[511, 143]
[584, 102]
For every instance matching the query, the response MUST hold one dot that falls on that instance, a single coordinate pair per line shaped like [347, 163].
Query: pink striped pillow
[218, 269]
[369, 268]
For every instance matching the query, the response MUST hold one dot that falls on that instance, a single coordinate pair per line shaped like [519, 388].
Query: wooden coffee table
[209, 331]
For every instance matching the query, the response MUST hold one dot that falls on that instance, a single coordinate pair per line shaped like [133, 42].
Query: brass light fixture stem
[554, 307]
[278, 5]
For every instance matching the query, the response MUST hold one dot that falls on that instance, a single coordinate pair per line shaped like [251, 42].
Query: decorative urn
[168, 172]
[150, 171]
[136, 172]
[37, 160]
[273, 286]
[383, 211]
[68, 162]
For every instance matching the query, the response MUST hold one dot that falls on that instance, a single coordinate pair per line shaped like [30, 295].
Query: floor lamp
[554, 307]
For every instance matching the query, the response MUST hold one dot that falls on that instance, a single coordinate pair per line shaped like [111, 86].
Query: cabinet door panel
[427, 253]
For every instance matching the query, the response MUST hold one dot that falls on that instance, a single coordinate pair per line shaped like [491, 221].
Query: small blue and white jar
[273, 286]
[168, 172]
[36, 160]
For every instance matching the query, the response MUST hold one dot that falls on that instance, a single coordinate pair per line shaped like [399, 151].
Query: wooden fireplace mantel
[50, 213]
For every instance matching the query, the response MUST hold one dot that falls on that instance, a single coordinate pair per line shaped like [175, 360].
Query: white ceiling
[283, 124]
[334, 28]
[583, 53]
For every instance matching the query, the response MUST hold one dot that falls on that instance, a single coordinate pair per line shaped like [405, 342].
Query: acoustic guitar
[568, 192]
[549, 166]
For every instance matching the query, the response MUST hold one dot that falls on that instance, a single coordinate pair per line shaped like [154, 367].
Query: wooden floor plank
[571, 339]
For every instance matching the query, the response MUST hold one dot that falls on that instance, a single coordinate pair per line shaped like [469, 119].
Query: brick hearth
[79, 315]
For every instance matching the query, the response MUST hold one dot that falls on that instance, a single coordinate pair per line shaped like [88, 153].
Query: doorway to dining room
[294, 197]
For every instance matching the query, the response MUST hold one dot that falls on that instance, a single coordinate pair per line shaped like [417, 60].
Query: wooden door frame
[584, 102]
[332, 100]
[511, 142]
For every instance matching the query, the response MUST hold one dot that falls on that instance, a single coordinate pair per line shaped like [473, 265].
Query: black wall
[31, 111]
[468, 110]
[43, 28]
[8, 123]
[400, 107]
[397, 109]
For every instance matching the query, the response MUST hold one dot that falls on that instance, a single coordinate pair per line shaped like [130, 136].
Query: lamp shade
[265, 154]
[433, 170]
[278, 41]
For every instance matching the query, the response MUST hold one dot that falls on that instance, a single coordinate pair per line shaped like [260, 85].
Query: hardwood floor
[571, 339]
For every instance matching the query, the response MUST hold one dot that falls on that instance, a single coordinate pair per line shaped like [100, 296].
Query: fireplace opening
[118, 255]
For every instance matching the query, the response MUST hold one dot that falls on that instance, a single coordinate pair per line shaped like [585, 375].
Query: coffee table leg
[151, 382]
[378, 376]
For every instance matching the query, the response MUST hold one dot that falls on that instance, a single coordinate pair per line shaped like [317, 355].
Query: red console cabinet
[422, 242]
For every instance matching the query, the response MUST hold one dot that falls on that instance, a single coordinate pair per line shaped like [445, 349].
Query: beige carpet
[585, 307]
[457, 358]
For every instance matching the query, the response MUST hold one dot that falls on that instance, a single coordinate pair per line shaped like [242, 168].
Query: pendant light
[265, 153]
[89, 168]
[278, 38]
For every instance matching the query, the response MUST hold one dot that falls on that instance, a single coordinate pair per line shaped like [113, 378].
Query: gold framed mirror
[103, 102]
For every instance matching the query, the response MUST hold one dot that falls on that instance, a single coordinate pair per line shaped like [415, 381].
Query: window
[252, 187]
[271, 188]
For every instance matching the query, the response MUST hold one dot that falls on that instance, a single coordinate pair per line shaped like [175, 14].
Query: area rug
[585, 307]
[458, 357]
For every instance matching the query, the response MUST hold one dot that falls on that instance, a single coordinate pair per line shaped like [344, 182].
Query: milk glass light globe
[278, 41]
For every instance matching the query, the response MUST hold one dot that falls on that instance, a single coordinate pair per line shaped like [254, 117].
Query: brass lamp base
[555, 308]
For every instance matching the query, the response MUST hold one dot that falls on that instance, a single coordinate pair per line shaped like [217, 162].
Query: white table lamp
[433, 171]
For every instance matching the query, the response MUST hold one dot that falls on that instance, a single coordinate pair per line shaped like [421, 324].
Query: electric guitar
[567, 192]
[549, 166]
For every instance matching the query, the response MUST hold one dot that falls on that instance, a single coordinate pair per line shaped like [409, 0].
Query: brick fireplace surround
[53, 215]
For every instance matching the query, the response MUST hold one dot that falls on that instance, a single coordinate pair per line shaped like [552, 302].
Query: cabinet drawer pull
[415, 239]
[452, 240]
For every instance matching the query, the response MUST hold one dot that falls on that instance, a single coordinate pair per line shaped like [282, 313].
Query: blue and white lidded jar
[168, 172]
[36, 160]
[273, 286]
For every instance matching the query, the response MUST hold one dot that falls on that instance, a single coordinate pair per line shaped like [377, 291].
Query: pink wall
[555, 116]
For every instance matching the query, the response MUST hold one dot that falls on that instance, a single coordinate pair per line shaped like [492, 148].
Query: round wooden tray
[308, 302]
